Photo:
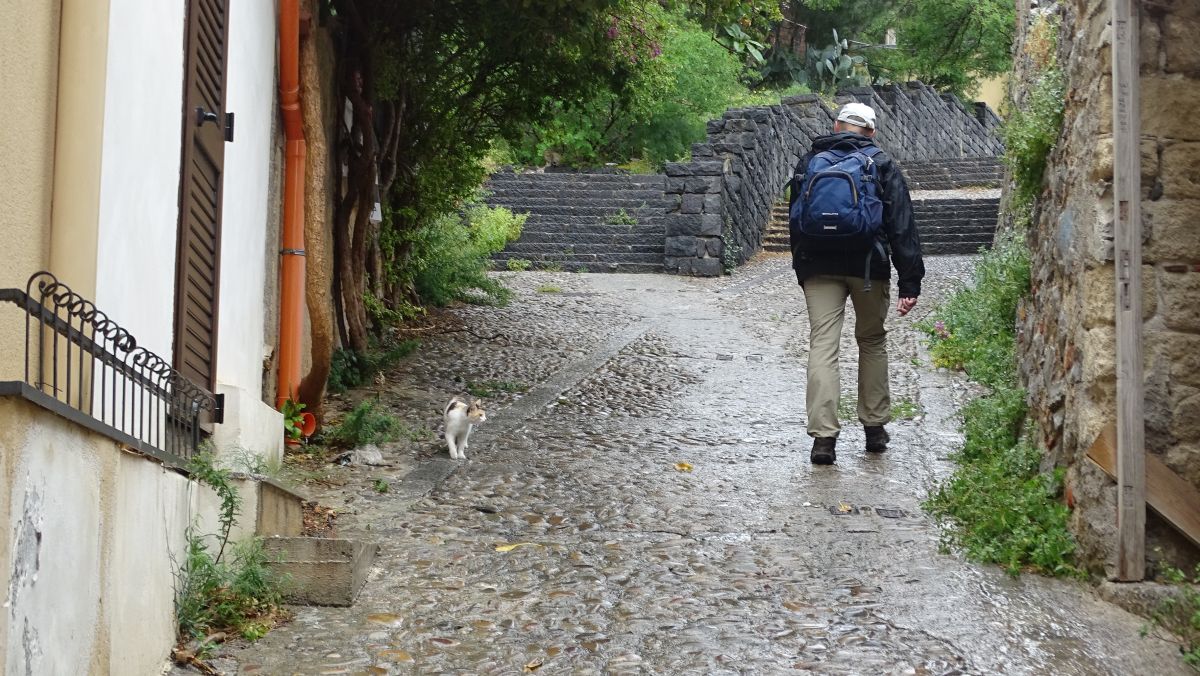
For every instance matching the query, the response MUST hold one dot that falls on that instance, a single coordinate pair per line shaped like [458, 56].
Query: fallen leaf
[683, 466]
[533, 666]
[844, 508]
[396, 655]
[510, 547]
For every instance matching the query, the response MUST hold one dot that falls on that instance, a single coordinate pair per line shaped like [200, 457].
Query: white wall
[251, 90]
[139, 183]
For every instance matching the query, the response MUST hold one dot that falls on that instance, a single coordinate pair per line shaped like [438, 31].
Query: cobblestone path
[635, 565]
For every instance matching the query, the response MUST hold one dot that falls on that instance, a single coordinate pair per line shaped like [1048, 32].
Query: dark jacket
[899, 234]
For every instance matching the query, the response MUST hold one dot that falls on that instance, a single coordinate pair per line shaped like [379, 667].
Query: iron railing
[83, 365]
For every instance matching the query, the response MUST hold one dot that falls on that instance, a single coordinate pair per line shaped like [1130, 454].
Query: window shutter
[197, 282]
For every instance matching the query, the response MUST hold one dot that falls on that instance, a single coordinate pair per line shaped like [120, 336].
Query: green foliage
[949, 44]
[621, 218]
[292, 419]
[364, 425]
[549, 288]
[240, 593]
[350, 369]
[997, 507]
[1030, 133]
[381, 485]
[660, 110]
[448, 259]
[905, 409]
[975, 329]
[519, 264]
[1180, 613]
[489, 388]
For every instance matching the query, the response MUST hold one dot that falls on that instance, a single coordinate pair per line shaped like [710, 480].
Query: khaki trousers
[825, 296]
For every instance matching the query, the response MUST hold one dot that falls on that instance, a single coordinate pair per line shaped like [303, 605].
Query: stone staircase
[958, 223]
[584, 222]
[953, 173]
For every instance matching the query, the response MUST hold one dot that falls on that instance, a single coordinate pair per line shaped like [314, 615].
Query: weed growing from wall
[997, 506]
[231, 591]
[350, 369]
[1032, 128]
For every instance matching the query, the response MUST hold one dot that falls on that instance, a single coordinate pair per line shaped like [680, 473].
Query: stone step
[517, 203]
[573, 260]
[956, 237]
[575, 177]
[571, 209]
[650, 236]
[647, 195]
[945, 248]
[551, 264]
[571, 229]
[573, 248]
[320, 571]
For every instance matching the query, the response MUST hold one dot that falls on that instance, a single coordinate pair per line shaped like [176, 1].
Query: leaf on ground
[845, 508]
[683, 466]
[510, 547]
[533, 666]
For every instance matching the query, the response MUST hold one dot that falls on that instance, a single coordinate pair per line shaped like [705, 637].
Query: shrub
[365, 425]
[519, 264]
[1180, 613]
[1032, 128]
[975, 329]
[349, 369]
[449, 259]
[997, 506]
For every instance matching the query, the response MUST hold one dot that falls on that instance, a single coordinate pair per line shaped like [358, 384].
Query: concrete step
[321, 571]
[945, 248]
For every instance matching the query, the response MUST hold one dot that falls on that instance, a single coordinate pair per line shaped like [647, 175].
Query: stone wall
[1066, 329]
[720, 202]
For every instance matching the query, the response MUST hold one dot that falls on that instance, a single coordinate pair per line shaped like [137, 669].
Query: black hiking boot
[822, 450]
[877, 439]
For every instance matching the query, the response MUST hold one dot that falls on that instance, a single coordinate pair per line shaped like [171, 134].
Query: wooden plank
[1127, 231]
[1168, 494]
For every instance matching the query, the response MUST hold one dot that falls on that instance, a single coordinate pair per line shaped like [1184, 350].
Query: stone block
[680, 225]
[703, 184]
[692, 204]
[1185, 419]
[1175, 229]
[1182, 47]
[712, 204]
[1181, 170]
[1099, 355]
[1179, 352]
[1100, 293]
[683, 246]
[1170, 106]
[678, 168]
[707, 267]
[709, 167]
[676, 185]
[713, 247]
[1180, 295]
[710, 225]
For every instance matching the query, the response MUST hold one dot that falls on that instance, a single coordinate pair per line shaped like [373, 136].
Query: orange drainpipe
[291, 315]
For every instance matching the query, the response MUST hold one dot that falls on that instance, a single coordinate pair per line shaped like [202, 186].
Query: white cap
[857, 114]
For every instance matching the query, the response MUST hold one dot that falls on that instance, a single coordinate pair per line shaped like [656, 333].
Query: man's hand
[905, 304]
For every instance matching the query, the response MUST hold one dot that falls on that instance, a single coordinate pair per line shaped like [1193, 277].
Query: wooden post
[1127, 235]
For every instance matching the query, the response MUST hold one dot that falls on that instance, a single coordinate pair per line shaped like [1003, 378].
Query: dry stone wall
[1066, 329]
[720, 202]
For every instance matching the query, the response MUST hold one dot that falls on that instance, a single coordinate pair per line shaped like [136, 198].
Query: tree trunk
[318, 97]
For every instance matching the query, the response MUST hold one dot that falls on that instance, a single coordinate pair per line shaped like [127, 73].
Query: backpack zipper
[843, 174]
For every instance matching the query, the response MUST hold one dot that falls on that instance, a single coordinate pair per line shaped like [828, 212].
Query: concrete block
[321, 571]
[280, 511]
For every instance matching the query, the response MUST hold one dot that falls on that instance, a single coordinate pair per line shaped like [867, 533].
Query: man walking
[850, 207]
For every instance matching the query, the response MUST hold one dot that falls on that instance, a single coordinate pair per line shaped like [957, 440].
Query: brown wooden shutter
[204, 133]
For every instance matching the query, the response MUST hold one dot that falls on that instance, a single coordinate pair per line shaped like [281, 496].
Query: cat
[461, 419]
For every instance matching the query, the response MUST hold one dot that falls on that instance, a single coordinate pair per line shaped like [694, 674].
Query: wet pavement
[641, 501]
